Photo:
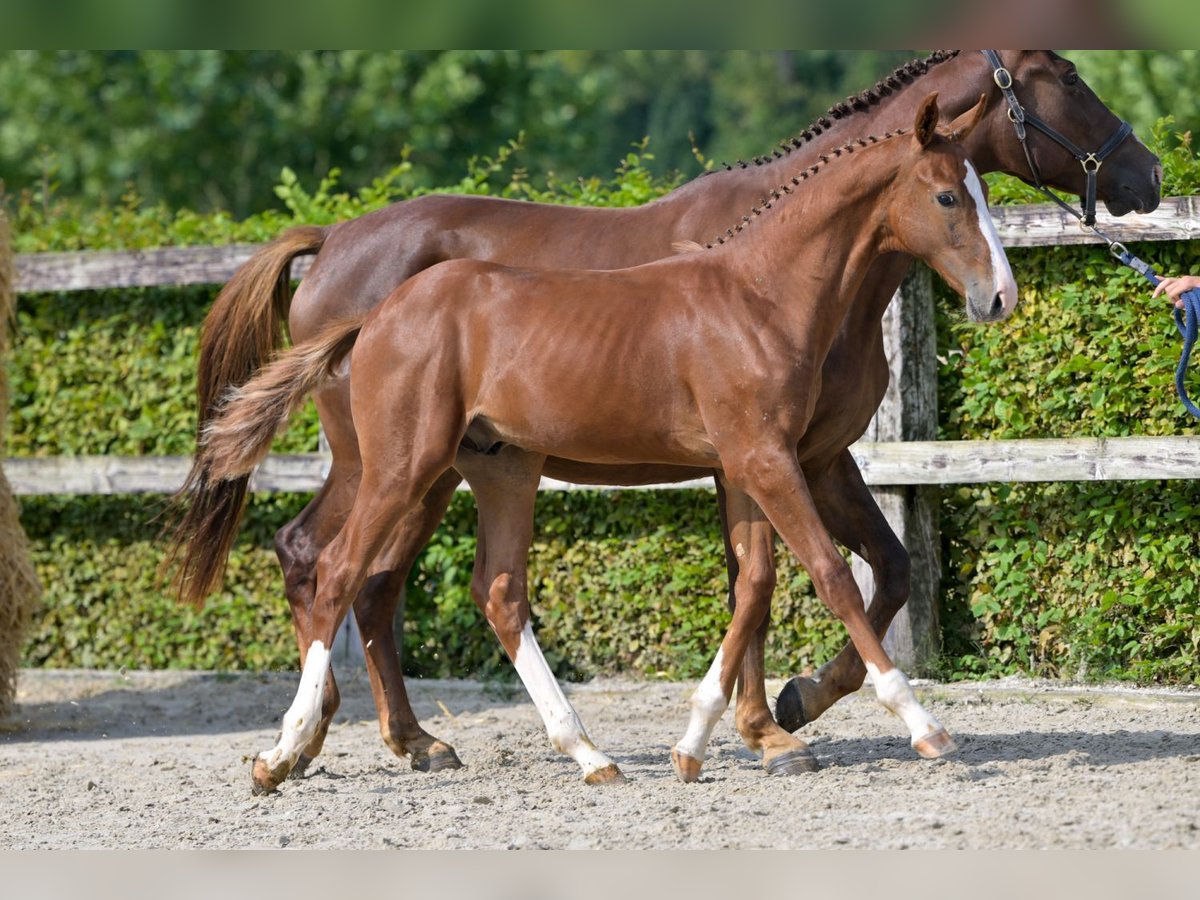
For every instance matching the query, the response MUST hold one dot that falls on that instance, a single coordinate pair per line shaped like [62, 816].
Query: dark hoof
[789, 707]
[300, 767]
[794, 762]
[441, 759]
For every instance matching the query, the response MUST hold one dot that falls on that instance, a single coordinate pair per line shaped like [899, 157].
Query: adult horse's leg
[854, 520]
[773, 477]
[375, 610]
[750, 560]
[505, 486]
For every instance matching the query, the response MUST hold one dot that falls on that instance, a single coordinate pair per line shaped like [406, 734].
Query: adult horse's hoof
[935, 745]
[686, 767]
[300, 767]
[438, 758]
[264, 779]
[789, 705]
[609, 774]
[794, 762]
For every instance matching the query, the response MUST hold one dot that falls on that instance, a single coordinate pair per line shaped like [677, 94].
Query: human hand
[1175, 286]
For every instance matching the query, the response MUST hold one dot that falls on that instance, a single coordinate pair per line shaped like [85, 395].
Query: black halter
[1021, 117]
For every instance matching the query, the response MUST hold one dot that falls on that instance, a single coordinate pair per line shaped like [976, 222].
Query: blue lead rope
[1186, 319]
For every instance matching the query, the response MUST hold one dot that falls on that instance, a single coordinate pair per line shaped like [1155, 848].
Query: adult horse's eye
[945, 199]
[1071, 78]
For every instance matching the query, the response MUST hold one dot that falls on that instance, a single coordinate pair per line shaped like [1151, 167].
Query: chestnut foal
[359, 262]
[711, 359]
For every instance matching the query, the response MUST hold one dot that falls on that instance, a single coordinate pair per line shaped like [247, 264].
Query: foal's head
[938, 212]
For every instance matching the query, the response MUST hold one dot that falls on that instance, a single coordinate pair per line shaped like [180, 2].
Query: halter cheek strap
[1021, 117]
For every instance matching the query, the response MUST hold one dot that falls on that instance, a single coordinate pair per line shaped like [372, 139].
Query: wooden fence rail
[898, 456]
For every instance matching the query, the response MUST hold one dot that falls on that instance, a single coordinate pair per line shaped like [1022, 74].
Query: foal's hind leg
[375, 609]
[747, 526]
[774, 478]
[505, 487]
[750, 560]
[855, 521]
[297, 546]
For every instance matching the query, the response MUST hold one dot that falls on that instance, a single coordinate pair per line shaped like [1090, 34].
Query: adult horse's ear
[925, 125]
[958, 130]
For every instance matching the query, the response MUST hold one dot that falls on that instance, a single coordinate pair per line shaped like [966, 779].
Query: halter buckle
[1003, 78]
[1091, 158]
[1016, 114]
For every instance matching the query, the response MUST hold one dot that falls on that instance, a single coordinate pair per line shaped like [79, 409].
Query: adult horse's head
[938, 212]
[1067, 130]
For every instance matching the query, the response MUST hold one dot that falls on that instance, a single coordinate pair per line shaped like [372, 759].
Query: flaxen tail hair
[241, 332]
[240, 436]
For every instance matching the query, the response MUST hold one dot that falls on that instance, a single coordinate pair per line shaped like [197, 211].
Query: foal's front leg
[505, 487]
[750, 560]
[854, 519]
[775, 480]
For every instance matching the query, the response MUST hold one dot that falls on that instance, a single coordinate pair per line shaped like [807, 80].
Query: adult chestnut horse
[361, 261]
[711, 359]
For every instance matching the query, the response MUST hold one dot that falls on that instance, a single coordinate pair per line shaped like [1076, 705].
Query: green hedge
[1098, 580]
[1087, 580]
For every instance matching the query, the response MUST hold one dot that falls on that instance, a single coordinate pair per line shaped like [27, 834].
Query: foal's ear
[925, 125]
[958, 130]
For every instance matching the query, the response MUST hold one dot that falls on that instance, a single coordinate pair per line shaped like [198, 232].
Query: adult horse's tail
[242, 330]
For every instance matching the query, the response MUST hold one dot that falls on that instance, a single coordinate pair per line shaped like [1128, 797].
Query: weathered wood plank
[1034, 225]
[890, 463]
[1041, 225]
[92, 270]
[1074, 459]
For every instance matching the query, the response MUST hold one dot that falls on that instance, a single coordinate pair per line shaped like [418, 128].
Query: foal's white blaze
[895, 693]
[1005, 284]
[301, 720]
[561, 721]
[708, 703]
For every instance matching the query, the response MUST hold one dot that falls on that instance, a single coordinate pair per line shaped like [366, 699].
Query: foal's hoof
[300, 767]
[686, 767]
[789, 705]
[794, 762]
[609, 774]
[438, 758]
[264, 779]
[935, 744]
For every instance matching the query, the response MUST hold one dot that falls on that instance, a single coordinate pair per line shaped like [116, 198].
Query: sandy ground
[101, 759]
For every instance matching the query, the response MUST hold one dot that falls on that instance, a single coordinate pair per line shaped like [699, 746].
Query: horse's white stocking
[708, 704]
[561, 721]
[304, 715]
[896, 694]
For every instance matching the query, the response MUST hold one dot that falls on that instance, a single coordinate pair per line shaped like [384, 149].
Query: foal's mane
[904, 75]
[789, 186]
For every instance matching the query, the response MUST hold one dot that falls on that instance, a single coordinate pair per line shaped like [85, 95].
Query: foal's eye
[945, 199]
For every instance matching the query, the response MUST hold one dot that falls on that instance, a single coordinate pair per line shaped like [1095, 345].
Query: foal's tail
[242, 330]
[238, 438]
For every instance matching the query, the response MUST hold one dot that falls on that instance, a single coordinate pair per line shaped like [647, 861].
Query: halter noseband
[1021, 117]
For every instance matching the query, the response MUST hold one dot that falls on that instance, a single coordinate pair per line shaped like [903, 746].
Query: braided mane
[904, 75]
[796, 180]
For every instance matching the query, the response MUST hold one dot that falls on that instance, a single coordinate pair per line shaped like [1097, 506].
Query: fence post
[909, 413]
